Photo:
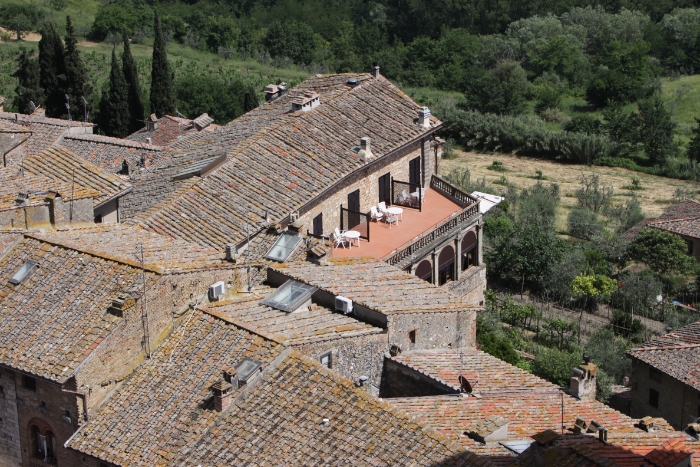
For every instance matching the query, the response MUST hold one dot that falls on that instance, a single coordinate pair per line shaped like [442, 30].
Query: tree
[76, 85]
[583, 223]
[162, 91]
[28, 82]
[51, 67]
[291, 39]
[657, 131]
[586, 124]
[664, 252]
[134, 95]
[593, 288]
[19, 18]
[500, 91]
[693, 149]
[250, 101]
[555, 365]
[591, 195]
[114, 108]
[499, 347]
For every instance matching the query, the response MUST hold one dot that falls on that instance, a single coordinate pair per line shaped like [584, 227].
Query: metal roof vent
[216, 290]
[352, 82]
[24, 272]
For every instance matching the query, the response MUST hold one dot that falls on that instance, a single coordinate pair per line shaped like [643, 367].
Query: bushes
[555, 365]
[583, 223]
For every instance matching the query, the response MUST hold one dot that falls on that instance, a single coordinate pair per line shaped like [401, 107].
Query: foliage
[626, 325]
[291, 39]
[76, 85]
[555, 365]
[51, 70]
[626, 215]
[594, 286]
[560, 331]
[461, 178]
[29, 85]
[501, 90]
[162, 92]
[664, 252]
[250, 101]
[198, 92]
[114, 109]
[137, 111]
[537, 204]
[692, 151]
[591, 195]
[19, 18]
[499, 347]
[637, 292]
[557, 282]
[656, 131]
[584, 224]
[586, 124]
[608, 352]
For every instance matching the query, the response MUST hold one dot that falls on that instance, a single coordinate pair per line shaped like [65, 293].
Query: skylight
[518, 446]
[290, 296]
[24, 272]
[246, 368]
[283, 247]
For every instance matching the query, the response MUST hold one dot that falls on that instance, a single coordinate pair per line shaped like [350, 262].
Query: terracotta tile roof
[682, 219]
[56, 317]
[290, 158]
[123, 242]
[39, 117]
[677, 354]
[279, 421]
[37, 188]
[487, 375]
[109, 153]
[300, 327]
[63, 166]
[7, 126]
[171, 129]
[375, 284]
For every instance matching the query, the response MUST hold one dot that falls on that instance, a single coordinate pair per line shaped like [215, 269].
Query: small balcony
[444, 210]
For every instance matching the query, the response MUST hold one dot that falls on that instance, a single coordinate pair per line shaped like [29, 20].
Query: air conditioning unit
[343, 304]
[216, 290]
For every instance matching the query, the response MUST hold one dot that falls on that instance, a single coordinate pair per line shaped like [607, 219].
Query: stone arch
[447, 254]
[446, 265]
[469, 240]
[425, 270]
[42, 440]
[469, 250]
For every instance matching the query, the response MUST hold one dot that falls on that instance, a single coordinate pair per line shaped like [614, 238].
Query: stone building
[665, 380]
[76, 318]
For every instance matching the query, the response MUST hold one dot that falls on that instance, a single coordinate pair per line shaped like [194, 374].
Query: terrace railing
[416, 247]
[406, 194]
[355, 220]
[460, 197]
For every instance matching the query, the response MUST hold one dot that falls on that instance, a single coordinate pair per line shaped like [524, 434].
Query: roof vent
[580, 425]
[494, 428]
[693, 429]
[352, 82]
[24, 272]
[546, 438]
[343, 304]
[647, 424]
[306, 101]
[216, 291]
[149, 140]
[365, 152]
[603, 434]
[424, 117]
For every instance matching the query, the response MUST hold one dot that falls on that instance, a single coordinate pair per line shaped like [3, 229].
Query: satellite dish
[32, 106]
[464, 385]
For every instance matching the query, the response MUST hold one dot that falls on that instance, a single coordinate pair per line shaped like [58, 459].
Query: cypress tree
[51, 70]
[250, 100]
[162, 96]
[136, 110]
[29, 86]
[114, 107]
[76, 84]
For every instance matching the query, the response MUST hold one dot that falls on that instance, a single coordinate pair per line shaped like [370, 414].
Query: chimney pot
[362, 381]
[365, 152]
[424, 117]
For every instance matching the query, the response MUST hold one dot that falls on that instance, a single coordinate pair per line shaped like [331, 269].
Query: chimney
[492, 429]
[149, 140]
[365, 149]
[583, 380]
[424, 117]
[647, 424]
[603, 434]
[231, 252]
[152, 122]
[375, 70]
[222, 395]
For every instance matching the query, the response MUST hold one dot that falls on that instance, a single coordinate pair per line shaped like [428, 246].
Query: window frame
[330, 359]
[654, 395]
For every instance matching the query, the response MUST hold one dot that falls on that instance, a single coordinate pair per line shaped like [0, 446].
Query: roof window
[283, 247]
[246, 370]
[291, 296]
[24, 272]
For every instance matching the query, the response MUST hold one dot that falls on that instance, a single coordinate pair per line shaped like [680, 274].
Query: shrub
[555, 365]
[584, 224]
[586, 124]
[499, 347]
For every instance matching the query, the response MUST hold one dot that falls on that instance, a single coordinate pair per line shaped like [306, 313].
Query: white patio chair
[392, 219]
[382, 207]
[376, 215]
[339, 239]
[422, 196]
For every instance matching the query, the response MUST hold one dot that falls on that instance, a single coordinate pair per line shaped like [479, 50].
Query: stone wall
[367, 181]
[471, 285]
[432, 330]
[678, 402]
[353, 357]
[399, 380]
[10, 447]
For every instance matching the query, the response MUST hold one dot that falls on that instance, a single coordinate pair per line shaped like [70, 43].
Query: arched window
[43, 441]
[469, 250]
[446, 263]
[425, 270]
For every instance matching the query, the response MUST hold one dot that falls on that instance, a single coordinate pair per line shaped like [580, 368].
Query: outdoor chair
[382, 207]
[392, 219]
[376, 215]
[339, 239]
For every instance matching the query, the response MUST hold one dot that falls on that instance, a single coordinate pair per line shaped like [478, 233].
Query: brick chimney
[222, 395]
[365, 152]
[583, 380]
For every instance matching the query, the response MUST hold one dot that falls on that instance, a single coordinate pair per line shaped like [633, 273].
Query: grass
[658, 192]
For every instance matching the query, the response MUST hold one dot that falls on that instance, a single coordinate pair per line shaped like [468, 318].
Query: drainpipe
[83, 397]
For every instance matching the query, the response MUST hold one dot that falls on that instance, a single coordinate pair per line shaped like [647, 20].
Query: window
[654, 398]
[2, 390]
[99, 219]
[318, 225]
[43, 444]
[29, 383]
[283, 247]
[327, 360]
[24, 272]
[690, 246]
[290, 296]
[654, 375]
[446, 273]
[412, 336]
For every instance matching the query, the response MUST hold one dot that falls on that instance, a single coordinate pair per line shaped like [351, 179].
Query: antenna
[68, 106]
[85, 108]
[72, 195]
[144, 307]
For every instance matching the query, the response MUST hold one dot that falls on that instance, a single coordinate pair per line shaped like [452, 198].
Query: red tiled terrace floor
[383, 240]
